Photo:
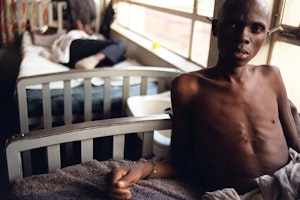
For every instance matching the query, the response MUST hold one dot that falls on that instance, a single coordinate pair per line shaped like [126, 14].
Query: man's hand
[121, 179]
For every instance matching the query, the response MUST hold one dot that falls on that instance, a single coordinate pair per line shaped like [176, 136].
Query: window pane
[286, 57]
[206, 8]
[123, 14]
[171, 31]
[291, 14]
[181, 5]
[201, 41]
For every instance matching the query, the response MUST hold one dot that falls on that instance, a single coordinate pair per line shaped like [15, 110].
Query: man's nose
[244, 34]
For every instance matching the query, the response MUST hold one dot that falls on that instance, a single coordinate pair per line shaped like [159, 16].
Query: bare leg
[90, 62]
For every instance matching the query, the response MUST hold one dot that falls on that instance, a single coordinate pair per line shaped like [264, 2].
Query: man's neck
[232, 72]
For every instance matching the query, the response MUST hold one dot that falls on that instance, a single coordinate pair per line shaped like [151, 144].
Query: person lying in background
[80, 47]
[79, 50]
[233, 134]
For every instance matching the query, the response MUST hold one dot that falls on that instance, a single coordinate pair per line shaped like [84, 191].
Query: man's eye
[257, 29]
[231, 24]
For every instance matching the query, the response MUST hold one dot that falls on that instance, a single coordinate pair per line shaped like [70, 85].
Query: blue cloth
[35, 105]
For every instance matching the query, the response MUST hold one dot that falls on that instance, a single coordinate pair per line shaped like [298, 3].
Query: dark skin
[84, 27]
[234, 117]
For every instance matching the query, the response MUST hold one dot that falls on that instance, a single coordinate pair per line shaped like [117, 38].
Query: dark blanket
[35, 103]
[87, 181]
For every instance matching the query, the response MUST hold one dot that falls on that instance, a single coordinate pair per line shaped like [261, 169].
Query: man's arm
[82, 14]
[121, 179]
[285, 114]
[182, 93]
[78, 24]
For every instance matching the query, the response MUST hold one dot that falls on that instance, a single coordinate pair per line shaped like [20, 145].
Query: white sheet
[35, 62]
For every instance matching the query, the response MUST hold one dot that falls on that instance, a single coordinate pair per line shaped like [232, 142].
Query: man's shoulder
[266, 70]
[265, 67]
[193, 74]
[186, 78]
[188, 82]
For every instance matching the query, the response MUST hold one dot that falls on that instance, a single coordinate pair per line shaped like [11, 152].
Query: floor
[9, 125]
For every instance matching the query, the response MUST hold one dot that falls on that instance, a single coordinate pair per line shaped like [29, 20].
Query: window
[170, 30]
[205, 7]
[291, 14]
[180, 5]
[180, 26]
[285, 49]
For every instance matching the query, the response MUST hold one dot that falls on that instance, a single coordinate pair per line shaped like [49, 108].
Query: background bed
[51, 15]
[118, 85]
[86, 102]
[50, 94]
[40, 108]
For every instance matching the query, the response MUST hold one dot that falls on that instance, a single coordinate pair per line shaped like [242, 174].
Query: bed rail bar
[84, 132]
[31, 4]
[163, 76]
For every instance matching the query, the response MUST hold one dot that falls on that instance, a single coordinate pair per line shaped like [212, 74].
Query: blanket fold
[87, 181]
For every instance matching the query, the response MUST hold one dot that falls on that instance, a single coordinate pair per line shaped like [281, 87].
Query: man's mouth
[241, 53]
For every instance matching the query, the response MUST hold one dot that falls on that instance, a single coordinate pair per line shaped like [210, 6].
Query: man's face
[241, 31]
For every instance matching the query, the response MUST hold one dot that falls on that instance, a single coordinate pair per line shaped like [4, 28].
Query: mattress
[34, 99]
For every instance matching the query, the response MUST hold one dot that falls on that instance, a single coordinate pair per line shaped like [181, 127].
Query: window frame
[283, 31]
[193, 16]
[264, 56]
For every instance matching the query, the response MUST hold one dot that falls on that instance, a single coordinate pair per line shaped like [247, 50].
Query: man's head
[241, 29]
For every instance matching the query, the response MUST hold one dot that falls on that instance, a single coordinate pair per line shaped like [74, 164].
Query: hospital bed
[86, 180]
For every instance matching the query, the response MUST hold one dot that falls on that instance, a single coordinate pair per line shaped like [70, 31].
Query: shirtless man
[234, 119]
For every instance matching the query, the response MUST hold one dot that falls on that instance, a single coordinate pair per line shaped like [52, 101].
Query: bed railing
[30, 5]
[84, 132]
[26, 10]
[163, 76]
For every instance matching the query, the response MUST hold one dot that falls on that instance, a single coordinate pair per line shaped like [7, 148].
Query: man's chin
[238, 62]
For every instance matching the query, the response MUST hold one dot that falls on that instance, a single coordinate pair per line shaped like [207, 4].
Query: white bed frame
[31, 4]
[163, 76]
[85, 133]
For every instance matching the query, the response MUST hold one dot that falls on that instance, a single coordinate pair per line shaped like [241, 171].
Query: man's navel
[211, 130]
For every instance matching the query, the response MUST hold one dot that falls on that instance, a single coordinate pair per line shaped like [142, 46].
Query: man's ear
[214, 27]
